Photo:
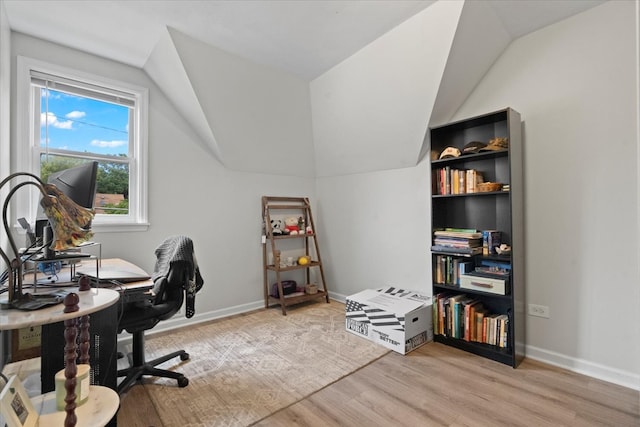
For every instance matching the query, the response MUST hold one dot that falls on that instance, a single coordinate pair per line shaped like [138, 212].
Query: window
[74, 118]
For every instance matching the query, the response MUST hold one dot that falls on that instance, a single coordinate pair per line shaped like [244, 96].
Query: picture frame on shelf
[16, 406]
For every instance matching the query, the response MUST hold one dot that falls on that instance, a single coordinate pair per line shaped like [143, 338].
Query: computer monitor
[77, 183]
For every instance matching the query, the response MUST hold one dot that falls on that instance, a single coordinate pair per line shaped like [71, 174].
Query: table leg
[70, 372]
[84, 340]
[70, 355]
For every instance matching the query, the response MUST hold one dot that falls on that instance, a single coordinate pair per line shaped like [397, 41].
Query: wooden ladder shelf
[277, 209]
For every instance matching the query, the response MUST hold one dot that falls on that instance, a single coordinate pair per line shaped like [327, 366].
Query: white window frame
[28, 145]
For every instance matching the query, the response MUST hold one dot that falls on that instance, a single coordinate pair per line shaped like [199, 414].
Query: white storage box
[484, 284]
[395, 318]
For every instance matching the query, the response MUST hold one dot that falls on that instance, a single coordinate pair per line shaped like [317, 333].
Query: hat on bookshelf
[473, 147]
[450, 152]
[496, 144]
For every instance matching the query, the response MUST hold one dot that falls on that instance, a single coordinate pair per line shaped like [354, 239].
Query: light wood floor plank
[137, 410]
[441, 386]
[438, 385]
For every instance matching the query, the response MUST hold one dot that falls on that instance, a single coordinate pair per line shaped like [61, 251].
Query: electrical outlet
[539, 310]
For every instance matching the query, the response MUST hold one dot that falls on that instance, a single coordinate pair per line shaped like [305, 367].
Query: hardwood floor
[438, 385]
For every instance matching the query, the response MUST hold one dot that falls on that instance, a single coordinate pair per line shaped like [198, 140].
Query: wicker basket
[486, 187]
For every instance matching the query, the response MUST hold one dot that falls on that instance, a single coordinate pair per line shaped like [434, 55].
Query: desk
[101, 303]
[90, 302]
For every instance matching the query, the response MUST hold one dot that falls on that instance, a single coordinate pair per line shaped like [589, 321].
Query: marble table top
[91, 301]
[98, 410]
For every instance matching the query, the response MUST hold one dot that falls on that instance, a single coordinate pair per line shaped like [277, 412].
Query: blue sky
[83, 124]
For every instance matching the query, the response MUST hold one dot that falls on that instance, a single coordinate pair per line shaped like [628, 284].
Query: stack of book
[461, 241]
[463, 317]
[456, 181]
[448, 269]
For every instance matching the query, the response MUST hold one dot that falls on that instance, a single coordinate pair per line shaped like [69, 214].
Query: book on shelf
[458, 242]
[455, 250]
[479, 320]
[490, 240]
[502, 329]
[459, 313]
[448, 269]
[455, 307]
[464, 317]
[460, 230]
[473, 178]
[463, 267]
[496, 264]
[469, 316]
[438, 274]
[491, 272]
[465, 233]
[441, 304]
[456, 181]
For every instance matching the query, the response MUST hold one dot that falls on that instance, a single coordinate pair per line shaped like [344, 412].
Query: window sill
[119, 227]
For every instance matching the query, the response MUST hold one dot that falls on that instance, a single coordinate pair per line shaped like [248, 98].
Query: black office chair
[175, 275]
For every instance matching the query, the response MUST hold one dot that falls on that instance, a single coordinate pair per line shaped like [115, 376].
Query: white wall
[5, 105]
[375, 230]
[190, 193]
[260, 116]
[5, 98]
[574, 84]
[371, 111]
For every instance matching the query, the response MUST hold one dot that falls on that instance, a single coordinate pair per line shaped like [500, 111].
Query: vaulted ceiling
[302, 38]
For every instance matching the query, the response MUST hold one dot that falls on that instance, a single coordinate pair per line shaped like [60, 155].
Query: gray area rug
[247, 367]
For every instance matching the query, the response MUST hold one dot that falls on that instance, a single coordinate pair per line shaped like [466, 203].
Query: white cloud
[75, 115]
[50, 119]
[51, 95]
[107, 144]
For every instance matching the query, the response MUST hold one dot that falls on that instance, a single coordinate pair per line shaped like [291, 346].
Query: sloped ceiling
[324, 44]
[370, 112]
[164, 65]
[259, 115]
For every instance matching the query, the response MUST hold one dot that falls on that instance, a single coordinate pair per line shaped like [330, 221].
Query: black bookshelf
[493, 210]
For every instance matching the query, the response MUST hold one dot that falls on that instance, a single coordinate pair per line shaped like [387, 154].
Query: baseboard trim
[585, 367]
[179, 320]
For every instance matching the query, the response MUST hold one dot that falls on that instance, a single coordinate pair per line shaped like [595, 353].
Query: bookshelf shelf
[462, 317]
[487, 193]
[445, 288]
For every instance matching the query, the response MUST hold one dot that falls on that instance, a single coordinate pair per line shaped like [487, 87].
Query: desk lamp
[68, 220]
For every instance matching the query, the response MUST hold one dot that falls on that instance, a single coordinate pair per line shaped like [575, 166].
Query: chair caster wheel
[183, 382]
[184, 356]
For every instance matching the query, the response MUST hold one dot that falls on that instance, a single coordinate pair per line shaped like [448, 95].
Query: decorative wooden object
[70, 349]
[84, 340]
